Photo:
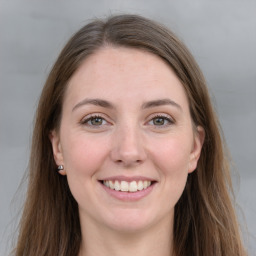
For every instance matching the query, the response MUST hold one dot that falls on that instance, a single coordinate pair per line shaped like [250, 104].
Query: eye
[161, 121]
[94, 120]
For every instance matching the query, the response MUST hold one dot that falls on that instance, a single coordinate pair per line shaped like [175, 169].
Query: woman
[127, 156]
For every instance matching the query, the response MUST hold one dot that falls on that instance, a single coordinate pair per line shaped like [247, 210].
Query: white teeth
[125, 186]
[111, 184]
[133, 186]
[117, 185]
[140, 185]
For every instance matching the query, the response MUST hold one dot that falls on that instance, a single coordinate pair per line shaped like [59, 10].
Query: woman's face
[126, 139]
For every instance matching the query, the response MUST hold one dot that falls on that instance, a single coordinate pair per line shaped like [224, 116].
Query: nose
[128, 147]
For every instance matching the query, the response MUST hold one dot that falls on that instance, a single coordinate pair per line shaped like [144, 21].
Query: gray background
[221, 35]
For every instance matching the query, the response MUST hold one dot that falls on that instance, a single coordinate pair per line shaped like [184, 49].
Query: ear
[199, 136]
[57, 150]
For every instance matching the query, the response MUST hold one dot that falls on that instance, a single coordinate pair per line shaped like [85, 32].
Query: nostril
[128, 162]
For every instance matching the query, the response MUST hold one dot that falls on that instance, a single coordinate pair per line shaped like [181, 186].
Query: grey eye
[96, 121]
[159, 121]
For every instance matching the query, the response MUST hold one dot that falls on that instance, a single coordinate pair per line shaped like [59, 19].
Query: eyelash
[159, 116]
[91, 118]
[165, 118]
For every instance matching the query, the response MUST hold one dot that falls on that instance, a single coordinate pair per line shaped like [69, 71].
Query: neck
[100, 241]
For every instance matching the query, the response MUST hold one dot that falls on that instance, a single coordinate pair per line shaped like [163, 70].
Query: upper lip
[128, 178]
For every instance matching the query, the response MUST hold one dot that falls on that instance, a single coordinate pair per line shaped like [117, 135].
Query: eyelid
[164, 116]
[89, 117]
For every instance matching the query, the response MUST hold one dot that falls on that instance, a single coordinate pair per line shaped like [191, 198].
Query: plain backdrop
[221, 35]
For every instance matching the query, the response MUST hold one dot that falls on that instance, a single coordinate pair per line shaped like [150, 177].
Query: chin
[130, 220]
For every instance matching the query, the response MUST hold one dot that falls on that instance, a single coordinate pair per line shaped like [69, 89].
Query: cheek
[83, 155]
[172, 161]
[173, 155]
[83, 158]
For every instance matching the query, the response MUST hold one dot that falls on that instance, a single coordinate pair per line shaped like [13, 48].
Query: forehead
[119, 72]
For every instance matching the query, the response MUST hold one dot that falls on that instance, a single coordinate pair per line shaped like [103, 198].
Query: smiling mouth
[125, 186]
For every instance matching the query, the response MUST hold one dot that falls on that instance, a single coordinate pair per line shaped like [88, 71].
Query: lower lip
[128, 196]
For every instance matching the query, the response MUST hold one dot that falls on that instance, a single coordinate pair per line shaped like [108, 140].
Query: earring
[60, 168]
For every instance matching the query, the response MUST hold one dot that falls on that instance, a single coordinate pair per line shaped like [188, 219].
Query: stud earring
[60, 168]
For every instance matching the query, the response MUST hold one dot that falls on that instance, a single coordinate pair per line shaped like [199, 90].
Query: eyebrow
[160, 102]
[107, 104]
[96, 102]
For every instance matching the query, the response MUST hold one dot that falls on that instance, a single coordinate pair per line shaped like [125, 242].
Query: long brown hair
[205, 221]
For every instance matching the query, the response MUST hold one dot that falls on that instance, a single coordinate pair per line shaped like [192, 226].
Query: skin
[126, 139]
